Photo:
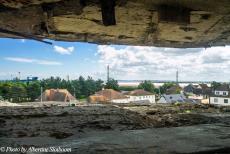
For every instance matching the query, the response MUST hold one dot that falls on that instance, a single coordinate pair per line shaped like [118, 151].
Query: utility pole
[74, 94]
[108, 78]
[41, 93]
[19, 75]
[177, 76]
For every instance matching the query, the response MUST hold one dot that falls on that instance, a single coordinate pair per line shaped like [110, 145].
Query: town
[86, 109]
[81, 90]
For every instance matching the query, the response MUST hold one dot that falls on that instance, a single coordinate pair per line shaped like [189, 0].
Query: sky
[33, 58]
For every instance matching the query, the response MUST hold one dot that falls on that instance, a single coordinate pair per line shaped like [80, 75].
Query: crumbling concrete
[101, 129]
[165, 23]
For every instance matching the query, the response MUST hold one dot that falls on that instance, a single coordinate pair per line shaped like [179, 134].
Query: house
[221, 95]
[175, 89]
[58, 95]
[108, 96]
[112, 96]
[140, 96]
[200, 91]
[192, 89]
[174, 98]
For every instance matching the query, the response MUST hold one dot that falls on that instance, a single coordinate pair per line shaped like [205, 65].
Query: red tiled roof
[110, 94]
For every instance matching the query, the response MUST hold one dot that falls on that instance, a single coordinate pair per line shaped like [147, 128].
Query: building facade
[141, 96]
[112, 96]
[108, 96]
[221, 96]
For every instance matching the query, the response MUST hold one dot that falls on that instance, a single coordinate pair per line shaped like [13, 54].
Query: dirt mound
[43, 121]
[114, 129]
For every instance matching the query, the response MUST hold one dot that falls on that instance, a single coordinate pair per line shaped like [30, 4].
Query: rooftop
[138, 92]
[110, 94]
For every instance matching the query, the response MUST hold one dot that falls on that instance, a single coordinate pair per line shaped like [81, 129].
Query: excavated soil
[74, 126]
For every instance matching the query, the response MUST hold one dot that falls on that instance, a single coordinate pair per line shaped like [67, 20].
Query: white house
[108, 96]
[112, 96]
[140, 96]
[221, 95]
[123, 100]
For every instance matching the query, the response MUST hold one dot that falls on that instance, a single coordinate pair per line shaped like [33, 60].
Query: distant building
[174, 98]
[28, 79]
[192, 89]
[108, 96]
[175, 89]
[140, 96]
[201, 91]
[58, 95]
[112, 96]
[221, 95]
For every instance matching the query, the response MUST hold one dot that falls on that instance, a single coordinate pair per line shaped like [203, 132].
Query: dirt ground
[83, 124]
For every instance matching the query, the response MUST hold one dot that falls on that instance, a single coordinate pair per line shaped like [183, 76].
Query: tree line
[17, 91]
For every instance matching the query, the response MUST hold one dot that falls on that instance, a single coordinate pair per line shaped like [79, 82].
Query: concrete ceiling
[164, 23]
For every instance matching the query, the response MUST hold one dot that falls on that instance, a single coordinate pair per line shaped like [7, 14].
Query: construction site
[108, 122]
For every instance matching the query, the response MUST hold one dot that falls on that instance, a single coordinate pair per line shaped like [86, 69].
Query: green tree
[18, 93]
[112, 84]
[214, 85]
[5, 90]
[99, 85]
[33, 90]
[82, 87]
[166, 86]
[127, 88]
[147, 86]
[90, 85]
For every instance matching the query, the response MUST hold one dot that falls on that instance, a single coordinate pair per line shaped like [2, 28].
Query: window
[217, 93]
[225, 100]
[225, 93]
[215, 100]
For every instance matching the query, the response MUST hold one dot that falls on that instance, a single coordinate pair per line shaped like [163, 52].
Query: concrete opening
[175, 14]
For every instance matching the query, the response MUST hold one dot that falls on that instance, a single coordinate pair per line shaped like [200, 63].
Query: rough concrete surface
[165, 23]
[118, 129]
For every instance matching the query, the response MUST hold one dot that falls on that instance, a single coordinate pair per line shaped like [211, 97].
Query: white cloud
[34, 61]
[63, 51]
[23, 40]
[161, 63]
[18, 59]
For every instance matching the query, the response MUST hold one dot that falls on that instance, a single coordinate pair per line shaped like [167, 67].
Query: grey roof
[223, 87]
[174, 98]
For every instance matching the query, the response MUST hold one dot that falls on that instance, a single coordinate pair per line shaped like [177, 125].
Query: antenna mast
[108, 73]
